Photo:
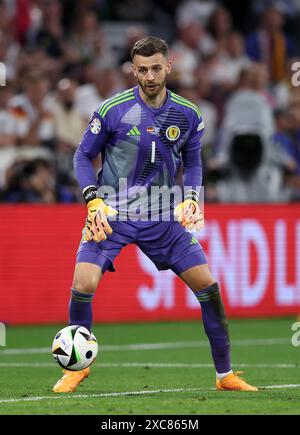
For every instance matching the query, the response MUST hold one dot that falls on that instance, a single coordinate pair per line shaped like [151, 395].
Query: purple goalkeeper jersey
[142, 149]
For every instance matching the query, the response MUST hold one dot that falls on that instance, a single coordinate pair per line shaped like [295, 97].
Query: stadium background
[234, 60]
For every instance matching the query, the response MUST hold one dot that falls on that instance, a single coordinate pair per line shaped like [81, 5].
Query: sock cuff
[81, 297]
[223, 375]
[209, 293]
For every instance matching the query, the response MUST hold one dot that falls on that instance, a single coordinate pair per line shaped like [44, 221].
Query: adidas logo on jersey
[134, 132]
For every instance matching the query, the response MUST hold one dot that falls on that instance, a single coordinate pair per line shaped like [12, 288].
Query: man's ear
[169, 66]
[134, 70]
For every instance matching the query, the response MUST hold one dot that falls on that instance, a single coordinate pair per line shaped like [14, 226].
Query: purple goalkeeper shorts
[167, 244]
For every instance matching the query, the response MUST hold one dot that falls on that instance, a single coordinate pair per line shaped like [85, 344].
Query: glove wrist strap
[191, 194]
[90, 193]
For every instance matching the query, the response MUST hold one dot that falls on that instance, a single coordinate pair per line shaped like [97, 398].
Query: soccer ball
[74, 347]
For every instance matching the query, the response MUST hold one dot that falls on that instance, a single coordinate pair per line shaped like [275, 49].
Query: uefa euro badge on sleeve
[95, 126]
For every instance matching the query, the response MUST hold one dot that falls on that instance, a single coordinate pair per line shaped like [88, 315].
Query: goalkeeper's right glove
[97, 226]
[189, 214]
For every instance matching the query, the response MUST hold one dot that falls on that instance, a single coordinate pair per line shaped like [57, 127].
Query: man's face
[151, 73]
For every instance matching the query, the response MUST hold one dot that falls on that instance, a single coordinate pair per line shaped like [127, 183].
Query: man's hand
[97, 226]
[189, 214]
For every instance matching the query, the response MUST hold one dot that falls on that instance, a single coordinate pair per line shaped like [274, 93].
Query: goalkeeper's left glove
[189, 214]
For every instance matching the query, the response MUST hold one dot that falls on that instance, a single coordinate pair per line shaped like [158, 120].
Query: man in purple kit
[143, 135]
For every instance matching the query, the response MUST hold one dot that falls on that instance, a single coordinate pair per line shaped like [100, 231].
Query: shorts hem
[192, 259]
[101, 260]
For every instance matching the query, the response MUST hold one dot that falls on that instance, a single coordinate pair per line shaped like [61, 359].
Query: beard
[151, 90]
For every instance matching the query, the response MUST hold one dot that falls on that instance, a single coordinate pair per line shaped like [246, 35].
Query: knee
[85, 284]
[86, 281]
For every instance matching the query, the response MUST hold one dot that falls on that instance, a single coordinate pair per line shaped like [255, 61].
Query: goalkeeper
[144, 134]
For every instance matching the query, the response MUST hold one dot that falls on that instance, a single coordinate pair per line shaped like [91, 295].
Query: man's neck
[156, 101]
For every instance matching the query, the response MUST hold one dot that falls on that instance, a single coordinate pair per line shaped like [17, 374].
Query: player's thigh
[198, 277]
[86, 277]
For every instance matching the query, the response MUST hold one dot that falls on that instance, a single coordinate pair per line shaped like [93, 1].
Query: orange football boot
[70, 380]
[233, 382]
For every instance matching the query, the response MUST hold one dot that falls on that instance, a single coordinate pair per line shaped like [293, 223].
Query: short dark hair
[149, 46]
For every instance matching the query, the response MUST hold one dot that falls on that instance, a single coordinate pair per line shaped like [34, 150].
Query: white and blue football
[74, 347]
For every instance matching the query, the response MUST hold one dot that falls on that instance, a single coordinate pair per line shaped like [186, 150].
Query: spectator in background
[91, 42]
[69, 127]
[259, 80]
[248, 105]
[5, 20]
[133, 34]
[284, 135]
[224, 67]
[7, 128]
[9, 52]
[288, 136]
[237, 59]
[200, 94]
[199, 10]
[207, 108]
[192, 44]
[35, 61]
[220, 26]
[197, 94]
[87, 97]
[30, 182]
[102, 84]
[68, 123]
[269, 44]
[127, 75]
[31, 113]
[252, 162]
[7, 132]
[50, 36]
[107, 82]
[226, 64]
[21, 19]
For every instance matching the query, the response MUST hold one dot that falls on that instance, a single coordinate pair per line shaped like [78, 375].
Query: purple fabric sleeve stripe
[84, 169]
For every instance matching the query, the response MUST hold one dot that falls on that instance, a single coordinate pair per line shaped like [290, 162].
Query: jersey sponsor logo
[153, 130]
[200, 126]
[95, 126]
[173, 132]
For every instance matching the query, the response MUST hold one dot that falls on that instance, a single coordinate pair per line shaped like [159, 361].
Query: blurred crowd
[233, 59]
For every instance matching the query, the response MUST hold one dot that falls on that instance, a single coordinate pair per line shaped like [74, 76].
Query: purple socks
[80, 309]
[213, 317]
[215, 326]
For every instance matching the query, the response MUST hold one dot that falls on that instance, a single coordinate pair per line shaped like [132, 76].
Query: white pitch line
[130, 393]
[86, 396]
[150, 365]
[154, 346]
[271, 387]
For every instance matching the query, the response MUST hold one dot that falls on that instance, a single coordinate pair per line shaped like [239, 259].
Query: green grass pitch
[154, 368]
